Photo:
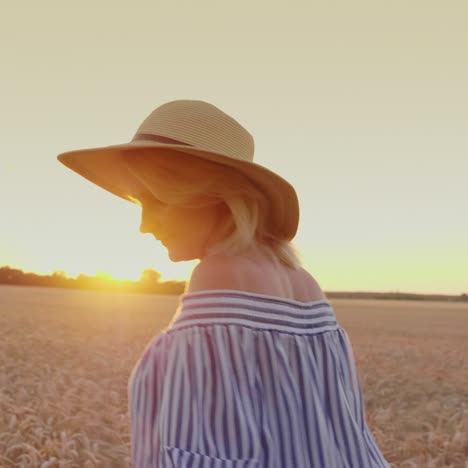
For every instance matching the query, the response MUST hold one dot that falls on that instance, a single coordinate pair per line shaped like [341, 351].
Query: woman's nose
[144, 228]
[151, 221]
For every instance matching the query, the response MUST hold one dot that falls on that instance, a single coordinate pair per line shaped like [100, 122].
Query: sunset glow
[367, 124]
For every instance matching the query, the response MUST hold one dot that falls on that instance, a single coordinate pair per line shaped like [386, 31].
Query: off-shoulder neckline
[250, 295]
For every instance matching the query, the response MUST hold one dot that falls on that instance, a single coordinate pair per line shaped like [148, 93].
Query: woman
[253, 370]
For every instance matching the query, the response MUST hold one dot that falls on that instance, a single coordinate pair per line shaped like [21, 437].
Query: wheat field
[66, 356]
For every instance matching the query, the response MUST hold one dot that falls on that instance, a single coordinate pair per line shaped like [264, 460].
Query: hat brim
[106, 167]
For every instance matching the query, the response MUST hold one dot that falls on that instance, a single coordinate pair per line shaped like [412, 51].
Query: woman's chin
[182, 255]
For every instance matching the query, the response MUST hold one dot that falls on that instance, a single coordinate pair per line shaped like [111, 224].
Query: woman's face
[186, 232]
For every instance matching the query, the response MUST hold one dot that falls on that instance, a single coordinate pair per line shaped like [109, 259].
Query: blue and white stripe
[242, 379]
[253, 310]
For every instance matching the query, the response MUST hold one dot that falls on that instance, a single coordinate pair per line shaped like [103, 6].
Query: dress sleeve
[193, 402]
[354, 378]
[144, 400]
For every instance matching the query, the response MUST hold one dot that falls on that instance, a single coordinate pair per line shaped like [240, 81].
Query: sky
[362, 106]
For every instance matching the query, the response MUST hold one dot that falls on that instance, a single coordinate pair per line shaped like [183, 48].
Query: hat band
[158, 138]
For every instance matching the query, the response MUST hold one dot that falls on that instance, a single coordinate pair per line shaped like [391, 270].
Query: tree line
[149, 281]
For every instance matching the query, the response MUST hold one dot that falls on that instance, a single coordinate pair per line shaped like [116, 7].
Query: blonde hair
[197, 183]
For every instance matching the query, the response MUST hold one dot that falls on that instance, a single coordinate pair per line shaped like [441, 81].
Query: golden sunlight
[102, 261]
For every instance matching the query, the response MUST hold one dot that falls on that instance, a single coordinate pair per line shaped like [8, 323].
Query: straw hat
[200, 129]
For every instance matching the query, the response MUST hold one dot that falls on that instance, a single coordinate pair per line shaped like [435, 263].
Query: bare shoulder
[308, 288]
[216, 273]
[229, 272]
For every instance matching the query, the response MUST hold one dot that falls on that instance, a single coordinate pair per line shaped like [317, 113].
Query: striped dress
[243, 380]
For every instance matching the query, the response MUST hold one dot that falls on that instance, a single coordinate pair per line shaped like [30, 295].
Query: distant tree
[10, 275]
[150, 277]
[59, 274]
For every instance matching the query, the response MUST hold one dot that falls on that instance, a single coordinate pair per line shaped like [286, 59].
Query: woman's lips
[162, 239]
